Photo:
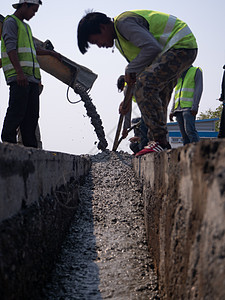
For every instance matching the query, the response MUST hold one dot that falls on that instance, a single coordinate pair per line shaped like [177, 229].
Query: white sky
[64, 126]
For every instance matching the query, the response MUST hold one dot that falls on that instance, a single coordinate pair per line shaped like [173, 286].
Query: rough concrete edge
[31, 237]
[33, 173]
[180, 228]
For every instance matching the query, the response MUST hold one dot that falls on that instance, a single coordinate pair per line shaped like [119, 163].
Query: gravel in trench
[105, 255]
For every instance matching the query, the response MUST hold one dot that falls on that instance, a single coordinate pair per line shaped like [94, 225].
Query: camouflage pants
[154, 87]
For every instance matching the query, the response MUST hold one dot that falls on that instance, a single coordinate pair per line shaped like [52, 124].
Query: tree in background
[210, 114]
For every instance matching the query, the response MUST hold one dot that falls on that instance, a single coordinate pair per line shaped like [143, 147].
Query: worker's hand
[56, 55]
[124, 133]
[194, 112]
[171, 117]
[130, 78]
[40, 88]
[41, 51]
[21, 79]
[124, 110]
[135, 139]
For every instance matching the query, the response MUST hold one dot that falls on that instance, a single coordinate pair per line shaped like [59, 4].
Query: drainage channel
[105, 254]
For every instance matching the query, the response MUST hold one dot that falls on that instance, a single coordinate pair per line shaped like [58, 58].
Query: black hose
[67, 96]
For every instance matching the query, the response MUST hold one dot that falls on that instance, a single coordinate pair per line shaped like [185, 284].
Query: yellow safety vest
[26, 53]
[168, 30]
[184, 90]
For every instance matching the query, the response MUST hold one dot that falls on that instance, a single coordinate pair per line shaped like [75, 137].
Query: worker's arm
[135, 30]
[123, 110]
[197, 92]
[9, 35]
[126, 124]
[21, 78]
[41, 51]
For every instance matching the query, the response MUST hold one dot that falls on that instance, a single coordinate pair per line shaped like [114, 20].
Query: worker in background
[188, 92]
[139, 140]
[22, 74]
[122, 87]
[221, 133]
[158, 48]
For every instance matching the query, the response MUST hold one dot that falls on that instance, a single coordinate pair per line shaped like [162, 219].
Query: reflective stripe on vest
[168, 30]
[28, 64]
[21, 50]
[184, 90]
[26, 53]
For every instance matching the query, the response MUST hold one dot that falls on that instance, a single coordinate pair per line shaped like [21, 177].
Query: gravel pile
[105, 255]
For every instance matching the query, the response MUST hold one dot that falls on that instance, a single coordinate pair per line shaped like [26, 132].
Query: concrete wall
[38, 198]
[184, 193]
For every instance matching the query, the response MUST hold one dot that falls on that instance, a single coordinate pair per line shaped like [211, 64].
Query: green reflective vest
[26, 53]
[168, 30]
[184, 90]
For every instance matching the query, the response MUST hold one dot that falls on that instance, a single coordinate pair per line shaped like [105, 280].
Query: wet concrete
[105, 255]
[93, 115]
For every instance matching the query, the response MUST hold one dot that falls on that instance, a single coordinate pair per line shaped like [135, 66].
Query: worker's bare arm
[49, 52]
[21, 78]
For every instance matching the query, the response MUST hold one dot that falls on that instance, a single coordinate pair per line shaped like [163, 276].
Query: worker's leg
[134, 146]
[30, 121]
[166, 94]
[180, 121]
[38, 136]
[221, 133]
[189, 124]
[152, 81]
[15, 112]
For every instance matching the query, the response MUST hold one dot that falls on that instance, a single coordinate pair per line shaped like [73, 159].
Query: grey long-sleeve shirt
[136, 30]
[197, 94]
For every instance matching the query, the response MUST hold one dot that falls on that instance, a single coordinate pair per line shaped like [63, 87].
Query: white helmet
[27, 1]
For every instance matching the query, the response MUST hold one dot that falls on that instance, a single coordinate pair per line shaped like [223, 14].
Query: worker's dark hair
[121, 83]
[90, 24]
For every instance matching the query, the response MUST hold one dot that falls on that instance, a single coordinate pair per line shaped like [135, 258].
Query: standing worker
[158, 48]
[221, 133]
[186, 100]
[22, 73]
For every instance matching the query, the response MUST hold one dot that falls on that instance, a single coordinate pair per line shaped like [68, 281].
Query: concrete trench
[100, 228]
[105, 255]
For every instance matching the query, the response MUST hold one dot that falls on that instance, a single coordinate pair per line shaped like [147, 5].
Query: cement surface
[105, 255]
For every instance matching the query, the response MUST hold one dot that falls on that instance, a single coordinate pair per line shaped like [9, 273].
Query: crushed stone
[105, 255]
